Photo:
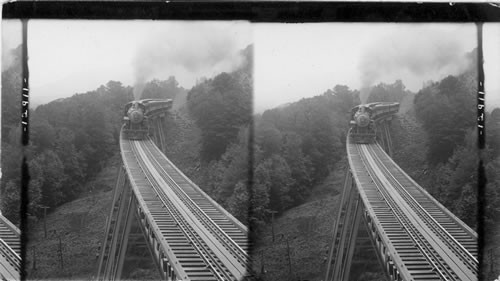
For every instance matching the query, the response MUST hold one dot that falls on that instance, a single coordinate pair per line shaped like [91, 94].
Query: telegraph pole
[262, 270]
[289, 257]
[60, 252]
[34, 257]
[272, 222]
[44, 220]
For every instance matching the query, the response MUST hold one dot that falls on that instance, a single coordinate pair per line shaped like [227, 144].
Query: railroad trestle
[414, 236]
[189, 236]
[10, 250]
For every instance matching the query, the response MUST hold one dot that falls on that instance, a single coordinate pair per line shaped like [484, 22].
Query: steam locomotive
[364, 117]
[136, 116]
[362, 125]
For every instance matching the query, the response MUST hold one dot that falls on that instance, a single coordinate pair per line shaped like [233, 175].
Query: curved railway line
[424, 240]
[199, 239]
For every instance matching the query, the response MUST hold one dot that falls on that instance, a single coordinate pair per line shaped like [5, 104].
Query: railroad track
[193, 231]
[421, 248]
[207, 210]
[458, 236]
[10, 235]
[10, 250]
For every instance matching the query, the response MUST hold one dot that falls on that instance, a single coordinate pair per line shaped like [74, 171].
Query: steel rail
[197, 189]
[203, 249]
[236, 250]
[373, 206]
[437, 228]
[133, 170]
[429, 199]
[10, 234]
[188, 232]
[425, 249]
[12, 264]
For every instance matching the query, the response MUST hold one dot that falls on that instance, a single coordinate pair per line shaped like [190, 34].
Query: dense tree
[71, 139]
[11, 200]
[259, 202]
[220, 106]
[47, 172]
[454, 182]
[492, 193]
[238, 202]
[466, 205]
[446, 110]
[269, 139]
[166, 89]
[388, 92]
[231, 169]
[344, 98]
[11, 156]
[89, 121]
[300, 167]
[42, 134]
[294, 147]
[73, 162]
[493, 131]
[274, 173]
[321, 122]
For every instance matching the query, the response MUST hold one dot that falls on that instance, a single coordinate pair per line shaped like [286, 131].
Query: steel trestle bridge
[189, 235]
[414, 236]
[10, 250]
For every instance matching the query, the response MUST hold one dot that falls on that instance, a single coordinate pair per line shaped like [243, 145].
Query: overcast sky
[292, 61]
[300, 60]
[69, 56]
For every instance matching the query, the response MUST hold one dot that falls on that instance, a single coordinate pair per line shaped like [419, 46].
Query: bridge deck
[213, 211]
[10, 234]
[9, 268]
[10, 250]
[423, 240]
[194, 231]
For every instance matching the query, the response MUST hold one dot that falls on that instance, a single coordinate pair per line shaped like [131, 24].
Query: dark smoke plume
[189, 51]
[421, 52]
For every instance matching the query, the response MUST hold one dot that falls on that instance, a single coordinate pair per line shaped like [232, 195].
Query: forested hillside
[436, 143]
[221, 106]
[294, 147]
[73, 143]
[288, 160]
[442, 128]
[70, 140]
[11, 133]
[434, 140]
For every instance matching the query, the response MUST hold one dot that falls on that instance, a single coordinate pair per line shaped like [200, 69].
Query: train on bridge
[414, 236]
[189, 235]
[364, 117]
[135, 116]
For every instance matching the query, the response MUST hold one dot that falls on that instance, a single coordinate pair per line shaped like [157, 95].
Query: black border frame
[257, 11]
